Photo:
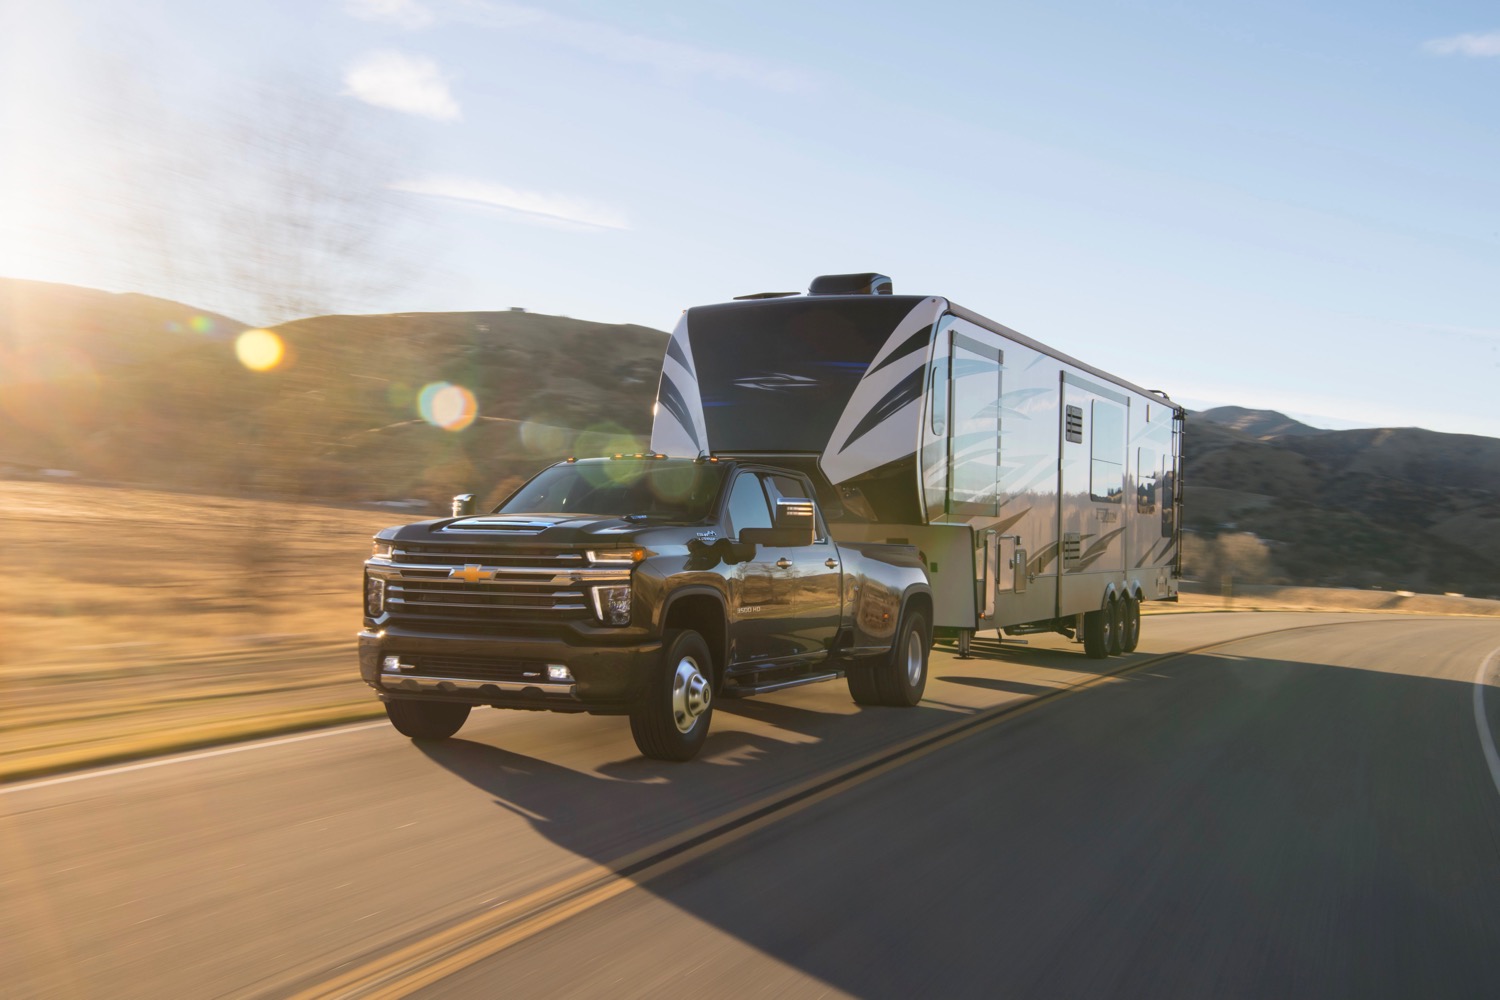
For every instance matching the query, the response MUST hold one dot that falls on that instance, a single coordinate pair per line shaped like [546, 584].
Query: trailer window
[1107, 451]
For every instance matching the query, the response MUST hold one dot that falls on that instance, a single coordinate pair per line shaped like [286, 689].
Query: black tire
[1130, 629]
[901, 675]
[671, 721]
[1096, 633]
[1116, 611]
[426, 720]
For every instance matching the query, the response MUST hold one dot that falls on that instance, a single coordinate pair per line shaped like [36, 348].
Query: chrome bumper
[395, 680]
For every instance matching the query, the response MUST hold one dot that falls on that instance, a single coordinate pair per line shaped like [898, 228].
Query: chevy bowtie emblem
[471, 574]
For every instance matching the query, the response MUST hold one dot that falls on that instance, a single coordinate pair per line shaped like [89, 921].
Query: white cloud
[609, 42]
[1466, 45]
[402, 13]
[411, 84]
[545, 209]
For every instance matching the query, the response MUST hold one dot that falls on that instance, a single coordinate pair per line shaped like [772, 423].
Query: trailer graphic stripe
[906, 392]
[672, 401]
[677, 354]
[916, 342]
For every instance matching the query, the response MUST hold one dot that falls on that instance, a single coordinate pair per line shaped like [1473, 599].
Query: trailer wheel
[1130, 630]
[1099, 631]
[1116, 612]
[426, 720]
[901, 674]
[671, 721]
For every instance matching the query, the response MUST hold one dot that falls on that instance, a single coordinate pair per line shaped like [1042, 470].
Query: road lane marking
[1482, 720]
[428, 960]
[105, 772]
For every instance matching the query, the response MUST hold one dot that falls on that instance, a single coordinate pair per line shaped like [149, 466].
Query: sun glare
[445, 405]
[259, 350]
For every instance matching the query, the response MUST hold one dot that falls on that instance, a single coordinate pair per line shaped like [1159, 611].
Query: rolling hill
[129, 388]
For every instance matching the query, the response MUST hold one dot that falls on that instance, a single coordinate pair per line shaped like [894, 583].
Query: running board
[744, 690]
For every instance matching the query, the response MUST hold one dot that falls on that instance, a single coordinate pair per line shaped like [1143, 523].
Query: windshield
[653, 489]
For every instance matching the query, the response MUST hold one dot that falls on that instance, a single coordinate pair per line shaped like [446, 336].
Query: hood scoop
[509, 525]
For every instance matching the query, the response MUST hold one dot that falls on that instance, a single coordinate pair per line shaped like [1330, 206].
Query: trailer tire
[1130, 629]
[426, 720]
[671, 720]
[1098, 627]
[901, 674]
[1116, 612]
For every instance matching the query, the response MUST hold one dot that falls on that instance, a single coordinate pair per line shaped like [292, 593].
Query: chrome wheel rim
[691, 694]
[914, 658]
[1109, 622]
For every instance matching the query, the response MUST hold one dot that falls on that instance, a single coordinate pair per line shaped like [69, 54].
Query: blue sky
[1288, 206]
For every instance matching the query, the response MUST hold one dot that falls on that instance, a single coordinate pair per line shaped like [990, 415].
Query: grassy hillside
[132, 389]
[1399, 508]
[126, 388]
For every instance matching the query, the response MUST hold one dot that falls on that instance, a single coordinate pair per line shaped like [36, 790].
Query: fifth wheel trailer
[1044, 494]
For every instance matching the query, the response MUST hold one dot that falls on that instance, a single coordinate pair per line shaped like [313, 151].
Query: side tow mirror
[463, 505]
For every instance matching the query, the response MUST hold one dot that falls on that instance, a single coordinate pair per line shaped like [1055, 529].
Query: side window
[747, 505]
[1107, 451]
[785, 487]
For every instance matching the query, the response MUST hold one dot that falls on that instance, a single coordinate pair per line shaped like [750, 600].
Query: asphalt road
[1307, 810]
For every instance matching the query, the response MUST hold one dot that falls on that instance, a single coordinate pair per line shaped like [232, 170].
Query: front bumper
[507, 671]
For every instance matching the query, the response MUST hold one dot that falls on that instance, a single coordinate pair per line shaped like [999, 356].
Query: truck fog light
[374, 596]
[612, 605]
[559, 673]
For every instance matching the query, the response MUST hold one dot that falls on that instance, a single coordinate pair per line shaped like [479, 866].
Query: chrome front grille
[449, 555]
[468, 591]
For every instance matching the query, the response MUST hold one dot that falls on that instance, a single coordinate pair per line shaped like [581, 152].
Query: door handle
[783, 562]
[831, 563]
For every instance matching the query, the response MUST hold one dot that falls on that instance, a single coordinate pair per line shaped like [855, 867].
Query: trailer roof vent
[868, 283]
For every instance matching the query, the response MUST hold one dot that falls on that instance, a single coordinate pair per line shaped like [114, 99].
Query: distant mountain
[1260, 424]
[137, 389]
[1399, 508]
[106, 384]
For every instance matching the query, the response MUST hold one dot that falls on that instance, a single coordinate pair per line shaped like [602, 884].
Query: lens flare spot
[544, 439]
[201, 324]
[259, 350]
[445, 405]
[608, 439]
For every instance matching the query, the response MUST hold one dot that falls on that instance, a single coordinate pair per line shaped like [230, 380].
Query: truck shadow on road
[1269, 820]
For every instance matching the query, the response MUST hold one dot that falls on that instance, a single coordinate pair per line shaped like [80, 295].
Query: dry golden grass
[1257, 597]
[138, 621]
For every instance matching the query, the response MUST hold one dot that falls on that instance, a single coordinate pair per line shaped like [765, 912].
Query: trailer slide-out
[1045, 495]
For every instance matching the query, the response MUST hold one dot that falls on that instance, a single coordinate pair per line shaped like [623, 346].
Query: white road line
[1486, 738]
[105, 772]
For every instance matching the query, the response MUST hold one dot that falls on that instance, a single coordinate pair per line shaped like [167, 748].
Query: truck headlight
[374, 596]
[612, 605]
[382, 550]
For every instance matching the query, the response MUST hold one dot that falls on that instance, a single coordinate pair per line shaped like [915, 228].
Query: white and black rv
[1044, 494]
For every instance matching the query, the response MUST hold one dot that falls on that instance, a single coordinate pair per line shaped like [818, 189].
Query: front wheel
[426, 720]
[671, 721]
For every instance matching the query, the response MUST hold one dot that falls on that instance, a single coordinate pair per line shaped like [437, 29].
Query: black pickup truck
[639, 585]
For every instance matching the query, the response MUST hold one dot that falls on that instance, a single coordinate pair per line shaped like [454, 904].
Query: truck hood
[544, 529]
